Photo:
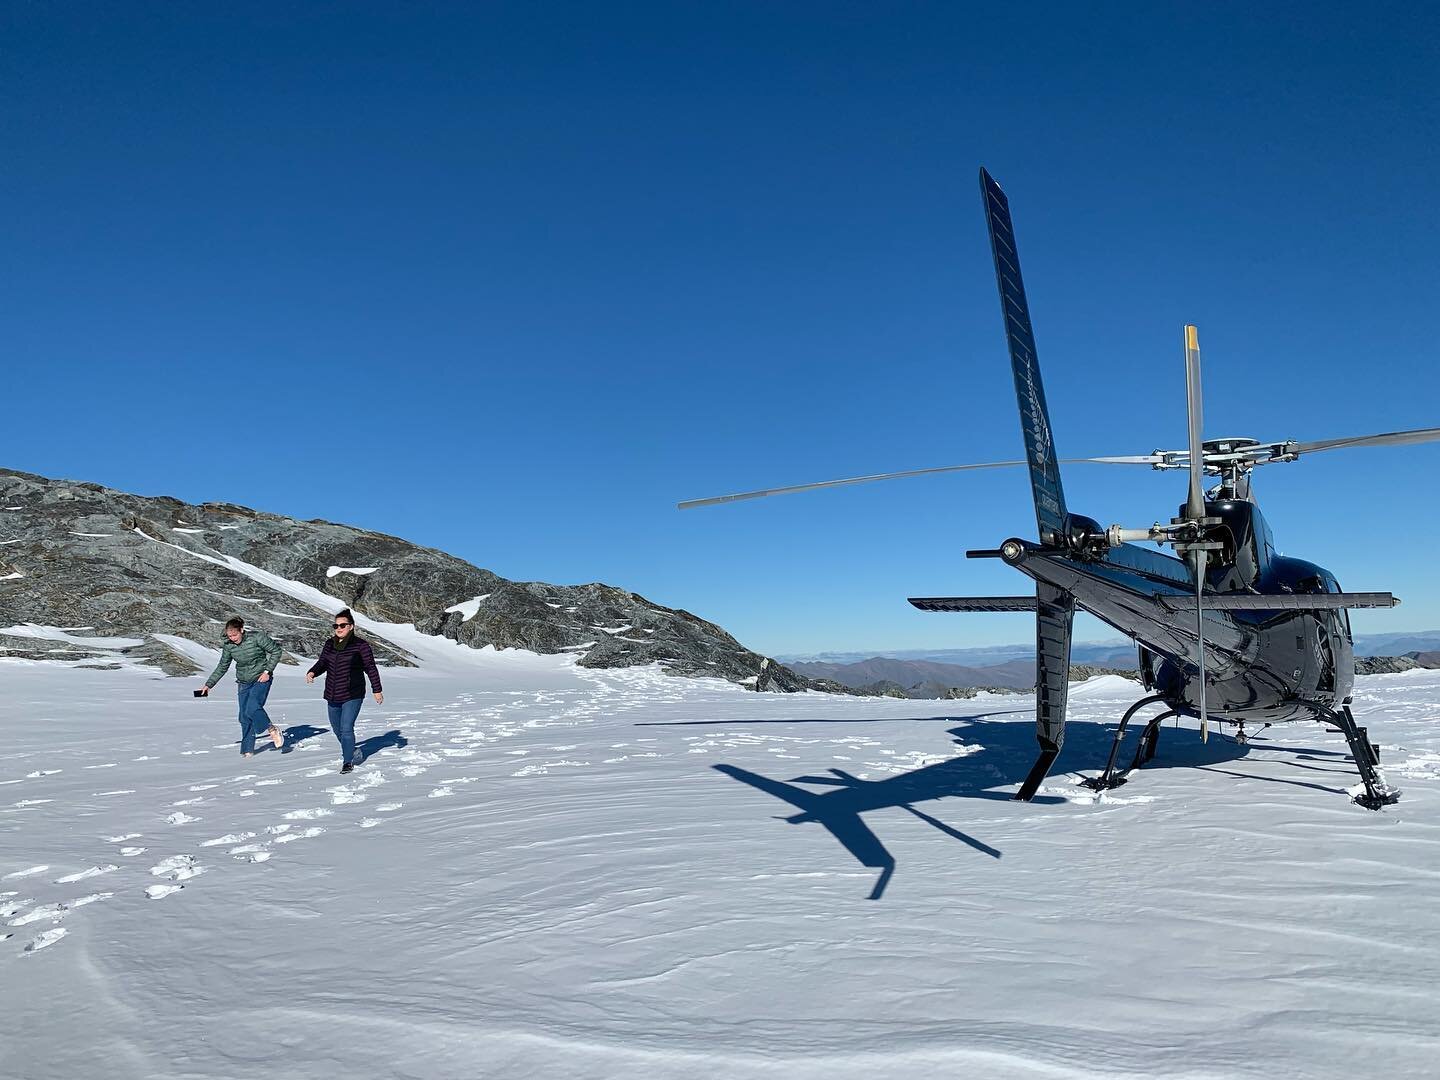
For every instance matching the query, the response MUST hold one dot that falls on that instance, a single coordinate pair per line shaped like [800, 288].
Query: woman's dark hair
[344, 613]
[236, 623]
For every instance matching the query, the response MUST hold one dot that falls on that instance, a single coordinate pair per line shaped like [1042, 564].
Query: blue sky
[532, 273]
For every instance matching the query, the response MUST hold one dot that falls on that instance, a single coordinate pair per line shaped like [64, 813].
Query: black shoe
[347, 767]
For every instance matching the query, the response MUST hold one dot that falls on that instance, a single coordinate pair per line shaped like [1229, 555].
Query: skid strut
[1367, 759]
[1143, 752]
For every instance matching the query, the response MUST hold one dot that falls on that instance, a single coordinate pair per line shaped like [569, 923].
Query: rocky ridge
[103, 564]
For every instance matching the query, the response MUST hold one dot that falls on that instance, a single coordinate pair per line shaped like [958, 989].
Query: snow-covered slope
[548, 871]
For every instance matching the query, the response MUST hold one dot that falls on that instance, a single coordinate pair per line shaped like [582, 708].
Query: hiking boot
[347, 767]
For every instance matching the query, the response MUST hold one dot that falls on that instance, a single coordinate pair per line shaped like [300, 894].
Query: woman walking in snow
[345, 661]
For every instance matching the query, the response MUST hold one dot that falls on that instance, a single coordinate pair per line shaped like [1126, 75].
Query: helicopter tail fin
[1029, 391]
[1054, 615]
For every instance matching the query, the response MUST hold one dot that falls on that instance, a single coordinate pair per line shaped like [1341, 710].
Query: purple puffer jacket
[345, 670]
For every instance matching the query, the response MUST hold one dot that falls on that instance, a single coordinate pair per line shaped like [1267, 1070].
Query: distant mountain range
[940, 673]
[1117, 651]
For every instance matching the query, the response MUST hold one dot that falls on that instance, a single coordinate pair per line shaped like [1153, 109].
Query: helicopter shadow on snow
[998, 754]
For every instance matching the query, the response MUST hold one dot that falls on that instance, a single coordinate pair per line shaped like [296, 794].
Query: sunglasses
[340, 625]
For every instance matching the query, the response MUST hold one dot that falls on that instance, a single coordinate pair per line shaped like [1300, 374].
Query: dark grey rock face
[108, 564]
[1383, 665]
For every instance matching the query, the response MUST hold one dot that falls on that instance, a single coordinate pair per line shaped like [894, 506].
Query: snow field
[542, 872]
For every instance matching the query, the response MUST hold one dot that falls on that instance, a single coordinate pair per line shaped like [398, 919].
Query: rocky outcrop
[1383, 665]
[100, 563]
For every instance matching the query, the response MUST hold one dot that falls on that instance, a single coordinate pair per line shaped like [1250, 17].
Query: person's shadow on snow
[294, 736]
[998, 756]
[375, 743]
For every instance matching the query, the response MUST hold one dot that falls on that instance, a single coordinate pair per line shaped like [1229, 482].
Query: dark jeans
[254, 720]
[342, 722]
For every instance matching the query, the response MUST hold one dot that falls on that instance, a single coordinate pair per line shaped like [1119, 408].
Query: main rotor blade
[1195, 503]
[1389, 438]
[690, 504]
[1143, 459]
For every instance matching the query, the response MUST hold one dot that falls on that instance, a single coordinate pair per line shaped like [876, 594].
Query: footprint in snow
[250, 853]
[122, 839]
[179, 817]
[94, 871]
[25, 873]
[267, 783]
[303, 834]
[55, 912]
[228, 838]
[188, 802]
[45, 940]
[371, 822]
[307, 815]
[387, 807]
[131, 852]
[39, 773]
[156, 892]
[178, 868]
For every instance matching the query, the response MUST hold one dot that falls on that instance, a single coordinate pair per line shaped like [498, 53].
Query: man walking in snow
[255, 656]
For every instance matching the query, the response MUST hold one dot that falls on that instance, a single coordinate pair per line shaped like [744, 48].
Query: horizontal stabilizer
[974, 603]
[1283, 602]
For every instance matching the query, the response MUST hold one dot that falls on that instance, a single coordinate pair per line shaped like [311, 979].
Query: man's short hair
[236, 623]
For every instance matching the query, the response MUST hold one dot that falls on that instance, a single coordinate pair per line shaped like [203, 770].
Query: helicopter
[1229, 631]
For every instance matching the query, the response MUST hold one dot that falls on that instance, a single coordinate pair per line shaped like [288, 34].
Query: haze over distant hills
[936, 673]
[1112, 651]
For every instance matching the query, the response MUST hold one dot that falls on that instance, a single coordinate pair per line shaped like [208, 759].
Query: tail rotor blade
[1029, 391]
[1195, 503]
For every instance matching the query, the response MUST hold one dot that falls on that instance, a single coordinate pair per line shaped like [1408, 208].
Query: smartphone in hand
[200, 693]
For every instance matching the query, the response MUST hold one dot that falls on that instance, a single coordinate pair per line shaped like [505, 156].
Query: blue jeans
[342, 722]
[254, 720]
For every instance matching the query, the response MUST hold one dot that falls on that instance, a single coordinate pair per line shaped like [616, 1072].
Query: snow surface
[546, 871]
[333, 570]
[468, 608]
[54, 633]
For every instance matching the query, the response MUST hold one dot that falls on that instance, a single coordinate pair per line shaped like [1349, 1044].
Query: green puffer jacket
[254, 653]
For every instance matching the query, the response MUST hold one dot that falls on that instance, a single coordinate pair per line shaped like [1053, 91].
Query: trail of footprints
[453, 732]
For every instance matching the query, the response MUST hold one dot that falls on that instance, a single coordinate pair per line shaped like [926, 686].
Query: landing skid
[1367, 759]
[1149, 738]
[1366, 754]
